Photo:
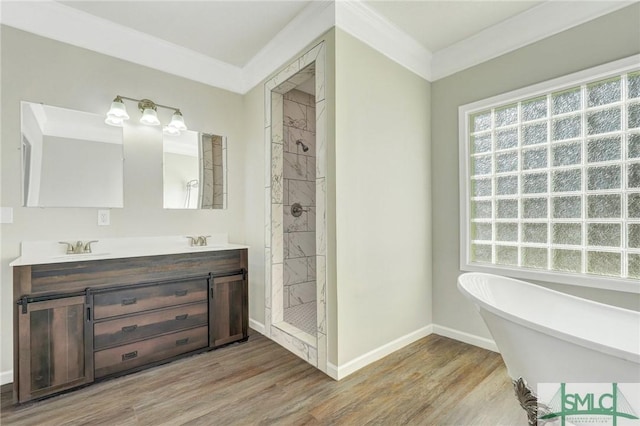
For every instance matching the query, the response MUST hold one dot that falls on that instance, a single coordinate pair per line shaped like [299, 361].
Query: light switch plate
[6, 215]
[104, 217]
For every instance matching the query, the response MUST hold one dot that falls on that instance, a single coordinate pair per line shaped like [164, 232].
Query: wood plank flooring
[434, 381]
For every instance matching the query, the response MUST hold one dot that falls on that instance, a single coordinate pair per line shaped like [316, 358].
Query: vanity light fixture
[149, 113]
[177, 121]
[118, 114]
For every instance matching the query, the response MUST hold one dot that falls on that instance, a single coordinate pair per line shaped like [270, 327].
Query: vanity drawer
[137, 354]
[142, 326]
[128, 301]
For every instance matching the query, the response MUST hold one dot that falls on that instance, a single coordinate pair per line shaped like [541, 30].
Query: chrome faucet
[79, 246]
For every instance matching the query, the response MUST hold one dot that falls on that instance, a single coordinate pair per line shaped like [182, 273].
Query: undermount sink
[209, 247]
[80, 256]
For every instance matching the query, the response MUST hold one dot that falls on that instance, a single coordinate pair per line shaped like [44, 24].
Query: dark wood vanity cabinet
[229, 317]
[55, 346]
[110, 317]
[140, 325]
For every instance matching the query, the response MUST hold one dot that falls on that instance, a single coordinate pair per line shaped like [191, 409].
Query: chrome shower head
[304, 147]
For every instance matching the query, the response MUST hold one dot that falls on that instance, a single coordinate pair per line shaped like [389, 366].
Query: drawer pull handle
[181, 317]
[129, 328]
[182, 341]
[130, 355]
[180, 293]
[129, 301]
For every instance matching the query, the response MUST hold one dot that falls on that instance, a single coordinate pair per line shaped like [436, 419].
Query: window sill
[580, 280]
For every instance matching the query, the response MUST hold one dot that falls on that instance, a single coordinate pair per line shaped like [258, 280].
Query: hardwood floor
[434, 381]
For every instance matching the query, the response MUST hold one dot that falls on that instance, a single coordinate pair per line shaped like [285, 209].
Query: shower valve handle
[296, 210]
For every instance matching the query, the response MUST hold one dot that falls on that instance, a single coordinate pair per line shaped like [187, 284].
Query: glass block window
[552, 180]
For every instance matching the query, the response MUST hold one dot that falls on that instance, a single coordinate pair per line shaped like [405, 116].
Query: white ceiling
[439, 24]
[230, 31]
[235, 31]
[235, 44]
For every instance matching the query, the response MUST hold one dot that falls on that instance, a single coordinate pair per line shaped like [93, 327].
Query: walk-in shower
[295, 249]
[299, 186]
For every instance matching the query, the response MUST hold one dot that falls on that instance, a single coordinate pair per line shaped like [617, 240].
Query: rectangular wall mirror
[195, 172]
[70, 158]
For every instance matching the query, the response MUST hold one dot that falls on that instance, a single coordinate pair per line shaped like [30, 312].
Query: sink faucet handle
[193, 241]
[87, 246]
[203, 239]
[69, 246]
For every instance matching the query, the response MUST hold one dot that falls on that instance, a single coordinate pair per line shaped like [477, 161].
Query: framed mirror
[195, 171]
[70, 158]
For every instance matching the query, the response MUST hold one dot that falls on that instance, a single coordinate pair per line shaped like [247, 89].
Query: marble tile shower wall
[213, 155]
[299, 186]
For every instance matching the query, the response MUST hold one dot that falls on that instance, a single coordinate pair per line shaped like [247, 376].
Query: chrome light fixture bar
[118, 114]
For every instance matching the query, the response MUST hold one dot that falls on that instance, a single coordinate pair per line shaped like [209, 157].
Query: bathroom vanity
[82, 319]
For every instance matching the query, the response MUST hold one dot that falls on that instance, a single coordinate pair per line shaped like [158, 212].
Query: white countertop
[44, 252]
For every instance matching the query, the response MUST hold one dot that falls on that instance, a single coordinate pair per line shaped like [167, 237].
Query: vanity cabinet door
[55, 346]
[228, 310]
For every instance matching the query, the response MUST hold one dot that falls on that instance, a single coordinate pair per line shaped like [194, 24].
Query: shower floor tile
[303, 317]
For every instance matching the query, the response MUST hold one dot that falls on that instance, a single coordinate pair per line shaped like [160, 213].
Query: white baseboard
[6, 377]
[342, 371]
[339, 372]
[461, 336]
[332, 371]
[257, 326]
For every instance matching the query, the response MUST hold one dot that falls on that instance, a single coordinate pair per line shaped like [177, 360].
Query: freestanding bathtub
[545, 336]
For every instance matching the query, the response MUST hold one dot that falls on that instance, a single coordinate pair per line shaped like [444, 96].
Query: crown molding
[63, 23]
[54, 20]
[352, 17]
[537, 23]
[313, 21]
[355, 18]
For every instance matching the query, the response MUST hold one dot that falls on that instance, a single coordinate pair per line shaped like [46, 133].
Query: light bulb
[177, 121]
[118, 110]
[150, 117]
